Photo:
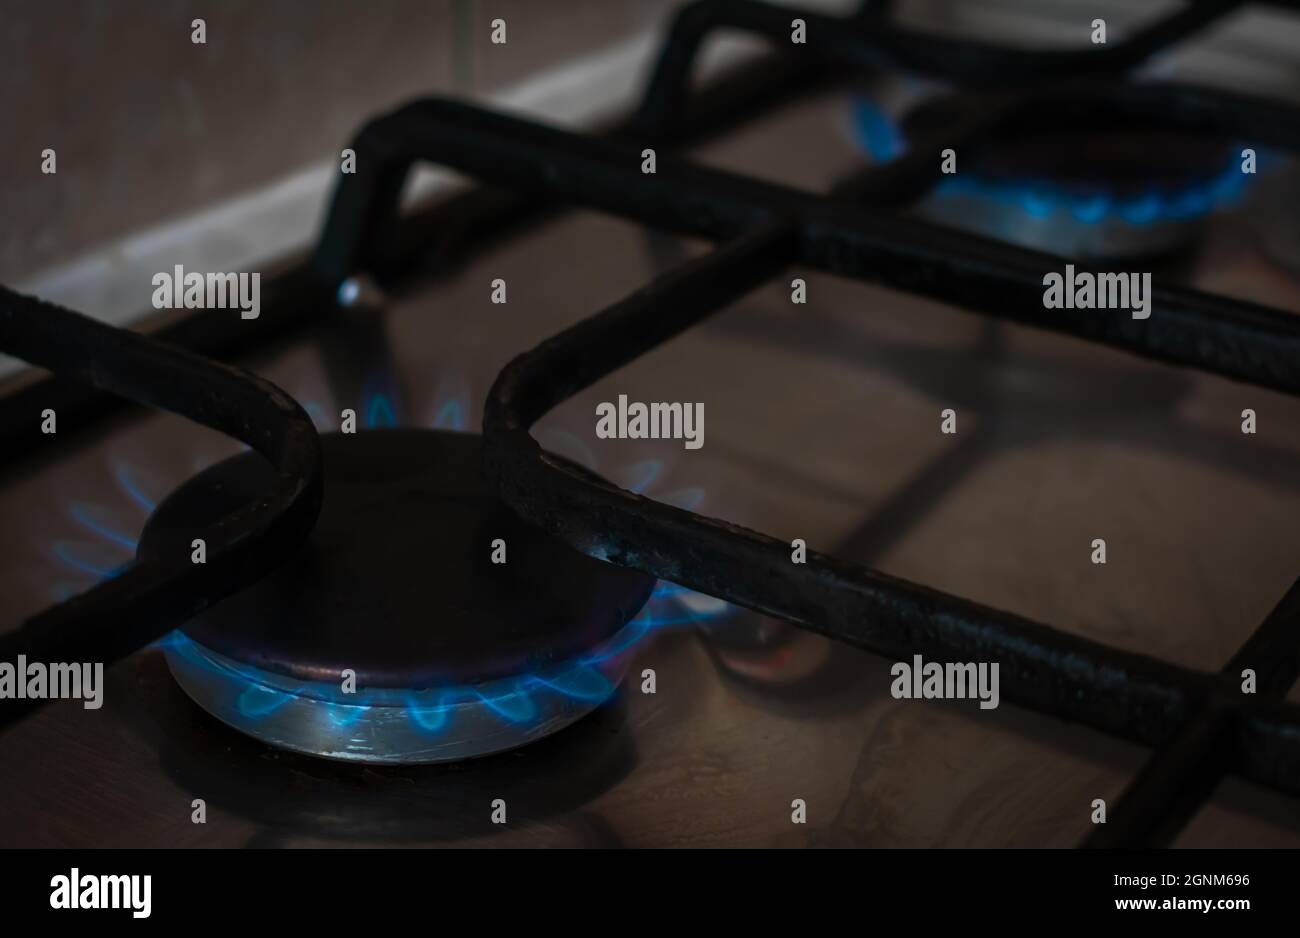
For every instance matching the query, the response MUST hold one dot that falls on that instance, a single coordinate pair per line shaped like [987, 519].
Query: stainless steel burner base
[1056, 230]
[393, 725]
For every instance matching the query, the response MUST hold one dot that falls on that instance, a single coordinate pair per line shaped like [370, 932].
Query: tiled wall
[148, 126]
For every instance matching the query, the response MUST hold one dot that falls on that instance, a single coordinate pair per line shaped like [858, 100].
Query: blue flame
[451, 416]
[513, 706]
[256, 695]
[74, 555]
[880, 136]
[512, 701]
[112, 551]
[642, 475]
[583, 681]
[431, 718]
[876, 132]
[317, 414]
[84, 514]
[127, 480]
[1042, 199]
[566, 444]
[379, 412]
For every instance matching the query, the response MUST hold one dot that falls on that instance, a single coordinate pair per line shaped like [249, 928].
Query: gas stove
[434, 544]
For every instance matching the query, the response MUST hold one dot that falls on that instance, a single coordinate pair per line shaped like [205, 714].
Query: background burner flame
[881, 137]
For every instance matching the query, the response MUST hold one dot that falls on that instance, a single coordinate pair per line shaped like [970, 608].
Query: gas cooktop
[423, 537]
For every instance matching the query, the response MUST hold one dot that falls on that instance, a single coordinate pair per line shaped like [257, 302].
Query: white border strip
[113, 282]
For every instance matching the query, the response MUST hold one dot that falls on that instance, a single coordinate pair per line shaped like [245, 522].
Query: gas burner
[382, 631]
[1083, 181]
[454, 655]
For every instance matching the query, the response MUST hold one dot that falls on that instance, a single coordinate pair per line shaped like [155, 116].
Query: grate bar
[438, 235]
[1199, 724]
[154, 594]
[1181, 775]
[874, 42]
[1233, 338]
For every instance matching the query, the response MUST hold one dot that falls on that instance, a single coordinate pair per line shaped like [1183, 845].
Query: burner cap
[397, 584]
[1081, 176]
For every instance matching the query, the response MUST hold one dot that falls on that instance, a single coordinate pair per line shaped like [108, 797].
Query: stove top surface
[823, 425]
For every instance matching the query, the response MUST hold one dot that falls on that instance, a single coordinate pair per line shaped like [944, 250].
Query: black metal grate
[1198, 723]
[143, 603]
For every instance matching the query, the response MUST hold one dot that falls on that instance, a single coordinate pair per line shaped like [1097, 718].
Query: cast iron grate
[1199, 724]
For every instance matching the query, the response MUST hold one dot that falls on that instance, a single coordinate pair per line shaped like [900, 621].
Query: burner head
[1083, 178]
[453, 655]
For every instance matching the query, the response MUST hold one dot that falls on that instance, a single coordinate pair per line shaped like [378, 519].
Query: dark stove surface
[833, 430]
[823, 424]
